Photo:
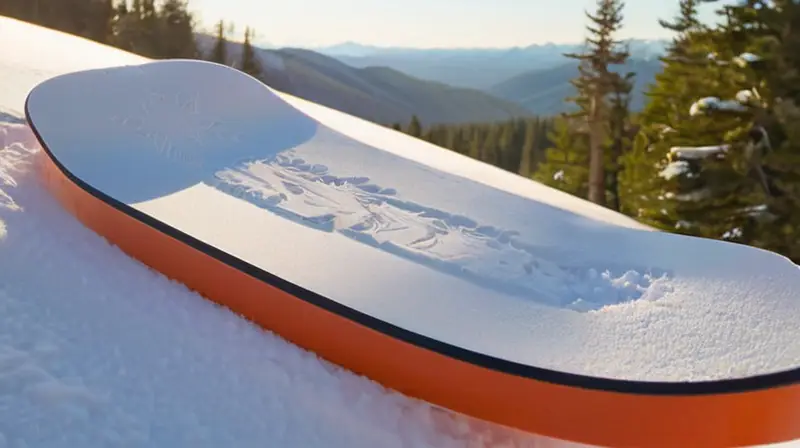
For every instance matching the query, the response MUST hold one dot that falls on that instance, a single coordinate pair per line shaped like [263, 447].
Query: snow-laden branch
[712, 103]
[664, 129]
[745, 100]
[745, 59]
[696, 152]
[747, 97]
[674, 169]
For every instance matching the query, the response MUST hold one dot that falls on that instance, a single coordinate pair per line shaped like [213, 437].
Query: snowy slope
[97, 350]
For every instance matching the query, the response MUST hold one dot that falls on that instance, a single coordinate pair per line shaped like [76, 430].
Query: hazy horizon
[430, 24]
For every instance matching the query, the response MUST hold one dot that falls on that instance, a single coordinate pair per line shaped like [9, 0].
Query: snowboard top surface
[447, 249]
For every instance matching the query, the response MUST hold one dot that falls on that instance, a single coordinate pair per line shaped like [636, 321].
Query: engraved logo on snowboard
[173, 125]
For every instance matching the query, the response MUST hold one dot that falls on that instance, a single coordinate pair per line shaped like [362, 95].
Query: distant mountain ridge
[639, 48]
[378, 94]
[479, 68]
[544, 91]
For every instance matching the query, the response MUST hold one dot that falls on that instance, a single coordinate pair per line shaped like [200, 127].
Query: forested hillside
[516, 145]
[714, 151]
[378, 94]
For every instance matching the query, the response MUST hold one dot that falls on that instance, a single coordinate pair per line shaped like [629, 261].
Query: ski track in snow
[312, 195]
[98, 350]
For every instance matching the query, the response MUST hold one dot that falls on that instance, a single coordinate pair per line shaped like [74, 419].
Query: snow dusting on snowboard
[418, 236]
[454, 244]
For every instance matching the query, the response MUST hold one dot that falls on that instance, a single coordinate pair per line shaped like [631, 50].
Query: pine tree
[127, 29]
[721, 121]
[250, 63]
[595, 82]
[670, 199]
[452, 137]
[219, 53]
[566, 161]
[176, 31]
[766, 35]
[527, 159]
[414, 127]
[149, 28]
[620, 126]
[475, 142]
[735, 184]
[102, 21]
[490, 147]
[507, 156]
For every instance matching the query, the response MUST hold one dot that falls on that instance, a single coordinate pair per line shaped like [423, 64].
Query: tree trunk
[618, 127]
[597, 173]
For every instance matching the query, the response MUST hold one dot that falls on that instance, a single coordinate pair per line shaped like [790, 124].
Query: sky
[427, 23]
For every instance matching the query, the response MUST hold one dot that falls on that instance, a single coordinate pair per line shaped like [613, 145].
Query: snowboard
[332, 233]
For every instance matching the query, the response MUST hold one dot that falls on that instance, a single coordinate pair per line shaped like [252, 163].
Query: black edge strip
[733, 385]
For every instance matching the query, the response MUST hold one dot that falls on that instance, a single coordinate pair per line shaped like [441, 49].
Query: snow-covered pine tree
[768, 32]
[665, 184]
[736, 187]
[733, 164]
[643, 192]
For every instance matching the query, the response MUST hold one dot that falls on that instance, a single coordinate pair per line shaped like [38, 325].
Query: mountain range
[389, 85]
[543, 91]
[479, 68]
[379, 94]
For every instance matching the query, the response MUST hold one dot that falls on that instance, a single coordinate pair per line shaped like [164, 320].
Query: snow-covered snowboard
[432, 274]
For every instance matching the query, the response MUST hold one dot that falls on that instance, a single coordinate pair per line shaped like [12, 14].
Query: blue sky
[427, 23]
